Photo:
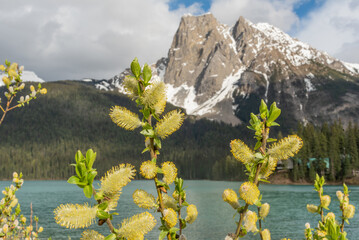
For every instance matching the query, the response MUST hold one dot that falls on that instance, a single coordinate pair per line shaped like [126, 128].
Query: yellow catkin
[160, 106]
[312, 208]
[137, 226]
[170, 217]
[285, 148]
[91, 235]
[170, 123]
[250, 221]
[154, 93]
[125, 118]
[169, 202]
[143, 199]
[130, 84]
[169, 172]
[340, 195]
[266, 234]
[116, 178]
[249, 192]
[113, 201]
[264, 211]
[230, 196]
[192, 214]
[268, 167]
[241, 151]
[325, 201]
[148, 169]
[349, 211]
[329, 216]
[75, 215]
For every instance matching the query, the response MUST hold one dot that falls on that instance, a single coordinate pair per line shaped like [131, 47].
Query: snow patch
[27, 76]
[353, 67]
[308, 85]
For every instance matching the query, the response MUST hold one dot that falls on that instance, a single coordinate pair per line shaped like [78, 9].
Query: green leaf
[91, 176]
[174, 229]
[147, 73]
[146, 113]
[101, 214]
[163, 234]
[273, 113]
[146, 150]
[271, 140]
[157, 142]
[148, 132]
[90, 158]
[273, 124]
[258, 145]
[81, 169]
[79, 156]
[112, 236]
[136, 68]
[103, 205]
[88, 191]
[263, 109]
[74, 180]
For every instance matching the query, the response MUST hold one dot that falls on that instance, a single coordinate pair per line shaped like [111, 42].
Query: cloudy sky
[75, 39]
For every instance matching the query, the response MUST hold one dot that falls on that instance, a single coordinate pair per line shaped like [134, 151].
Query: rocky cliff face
[221, 72]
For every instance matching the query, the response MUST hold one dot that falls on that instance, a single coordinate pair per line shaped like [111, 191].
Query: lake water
[286, 219]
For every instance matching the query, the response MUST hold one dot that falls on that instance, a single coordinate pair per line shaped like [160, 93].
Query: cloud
[276, 12]
[72, 39]
[334, 28]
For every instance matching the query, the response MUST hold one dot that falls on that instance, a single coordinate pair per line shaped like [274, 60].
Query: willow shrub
[150, 97]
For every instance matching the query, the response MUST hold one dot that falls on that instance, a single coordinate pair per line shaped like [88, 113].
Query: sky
[75, 39]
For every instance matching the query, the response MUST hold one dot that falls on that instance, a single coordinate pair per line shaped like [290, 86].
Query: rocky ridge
[221, 72]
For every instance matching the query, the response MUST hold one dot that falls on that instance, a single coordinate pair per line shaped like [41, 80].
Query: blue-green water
[286, 219]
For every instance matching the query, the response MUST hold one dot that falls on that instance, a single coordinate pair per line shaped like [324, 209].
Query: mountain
[27, 76]
[221, 73]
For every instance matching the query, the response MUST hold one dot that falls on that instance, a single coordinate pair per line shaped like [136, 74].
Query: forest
[41, 139]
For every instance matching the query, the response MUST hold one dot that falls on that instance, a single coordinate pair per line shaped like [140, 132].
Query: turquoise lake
[286, 219]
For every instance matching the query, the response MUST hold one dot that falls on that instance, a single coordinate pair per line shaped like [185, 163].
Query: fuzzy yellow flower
[285, 148]
[230, 197]
[268, 167]
[330, 216]
[169, 202]
[137, 226]
[340, 195]
[92, 235]
[325, 201]
[249, 192]
[170, 123]
[192, 214]
[349, 211]
[125, 118]
[116, 178]
[143, 199]
[241, 151]
[75, 215]
[312, 208]
[250, 221]
[169, 172]
[170, 217]
[154, 93]
[264, 211]
[130, 84]
[265, 234]
[148, 169]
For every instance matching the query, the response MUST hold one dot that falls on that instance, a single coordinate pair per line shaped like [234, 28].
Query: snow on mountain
[27, 76]
[220, 72]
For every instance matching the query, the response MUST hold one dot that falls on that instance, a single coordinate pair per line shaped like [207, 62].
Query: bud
[312, 208]
[33, 94]
[43, 91]
[249, 192]
[32, 88]
[16, 222]
[340, 195]
[13, 74]
[325, 201]
[14, 203]
[2, 68]
[6, 80]
[22, 86]
[329, 216]
[23, 219]
[27, 98]
[265, 234]
[5, 228]
[264, 210]
[22, 99]
[230, 197]
[21, 69]
[11, 89]
[307, 225]
[349, 211]
[15, 175]
[41, 229]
